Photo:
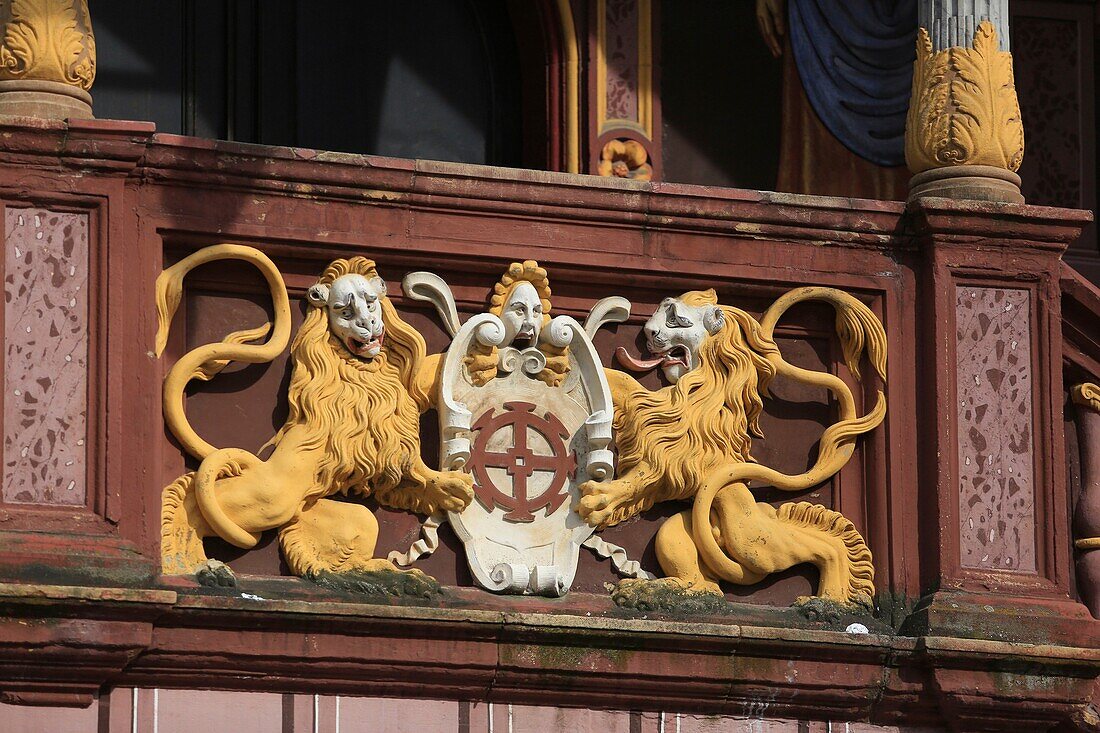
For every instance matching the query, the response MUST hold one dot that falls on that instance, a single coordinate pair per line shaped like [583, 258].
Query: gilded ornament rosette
[964, 109]
[625, 159]
[47, 40]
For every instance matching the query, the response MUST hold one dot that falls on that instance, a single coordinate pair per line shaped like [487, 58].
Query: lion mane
[688, 430]
[360, 412]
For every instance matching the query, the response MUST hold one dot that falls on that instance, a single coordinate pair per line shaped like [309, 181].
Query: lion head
[354, 361]
[717, 360]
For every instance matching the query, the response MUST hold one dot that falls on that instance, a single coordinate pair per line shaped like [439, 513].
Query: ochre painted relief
[542, 447]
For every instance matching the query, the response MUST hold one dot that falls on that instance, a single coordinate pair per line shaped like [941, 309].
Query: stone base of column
[44, 99]
[973, 182]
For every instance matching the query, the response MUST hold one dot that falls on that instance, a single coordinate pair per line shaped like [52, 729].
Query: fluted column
[47, 58]
[954, 22]
[964, 138]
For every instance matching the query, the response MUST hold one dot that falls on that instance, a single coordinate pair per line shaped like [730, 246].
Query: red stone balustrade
[963, 493]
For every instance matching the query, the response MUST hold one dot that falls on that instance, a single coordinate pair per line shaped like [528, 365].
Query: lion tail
[181, 549]
[206, 361]
[858, 328]
[836, 448]
[861, 570]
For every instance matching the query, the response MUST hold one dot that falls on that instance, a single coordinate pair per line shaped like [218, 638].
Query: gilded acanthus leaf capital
[964, 109]
[47, 40]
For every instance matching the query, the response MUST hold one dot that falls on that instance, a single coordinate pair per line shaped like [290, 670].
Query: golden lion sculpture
[691, 440]
[353, 428]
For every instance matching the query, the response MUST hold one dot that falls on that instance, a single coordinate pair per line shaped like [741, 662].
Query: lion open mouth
[678, 354]
[364, 348]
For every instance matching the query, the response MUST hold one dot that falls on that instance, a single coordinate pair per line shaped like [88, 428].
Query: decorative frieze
[527, 413]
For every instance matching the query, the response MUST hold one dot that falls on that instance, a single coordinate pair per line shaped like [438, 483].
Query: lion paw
[604, 503]
[482, 368]
[450, 491]
[817, 608]
[393, 583]
[215, 574]
[669, 595]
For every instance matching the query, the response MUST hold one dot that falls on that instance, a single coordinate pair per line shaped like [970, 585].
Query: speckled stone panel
[46, 356]
[996, 429]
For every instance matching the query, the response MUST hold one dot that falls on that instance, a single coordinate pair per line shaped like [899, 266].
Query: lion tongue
[638, 365]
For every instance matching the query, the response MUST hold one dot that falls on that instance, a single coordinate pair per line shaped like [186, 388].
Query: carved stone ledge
[60, 644]
[233, 641]
[1020, 620]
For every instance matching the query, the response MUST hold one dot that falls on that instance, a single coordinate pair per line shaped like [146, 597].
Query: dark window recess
[720, 96]
[436, 79]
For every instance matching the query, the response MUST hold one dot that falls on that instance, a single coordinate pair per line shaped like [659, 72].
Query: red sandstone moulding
[87, 141]
[170, 639]
[1080, 319]
[115, 145]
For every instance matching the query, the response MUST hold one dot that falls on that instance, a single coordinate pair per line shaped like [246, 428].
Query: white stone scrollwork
[613, 309]
[509, 577]
[426, 545]
[429, 287]
[456, 420]
[559, 332]
[530, 443]
[531, 360]
[547, 581]
[619, 559]
[600, 463]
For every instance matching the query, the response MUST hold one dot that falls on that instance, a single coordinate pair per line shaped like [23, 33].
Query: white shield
[529, 447]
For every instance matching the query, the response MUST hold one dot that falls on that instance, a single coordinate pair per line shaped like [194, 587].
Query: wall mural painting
[541, 445]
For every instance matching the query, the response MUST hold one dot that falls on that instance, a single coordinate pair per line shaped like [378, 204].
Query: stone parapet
[967, 626]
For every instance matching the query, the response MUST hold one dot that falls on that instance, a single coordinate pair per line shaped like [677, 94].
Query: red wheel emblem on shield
[521, 462]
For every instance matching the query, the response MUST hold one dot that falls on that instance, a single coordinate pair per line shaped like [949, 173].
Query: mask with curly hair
[521, 299]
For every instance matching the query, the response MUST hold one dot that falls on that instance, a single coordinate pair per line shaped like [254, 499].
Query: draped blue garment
[855, 58]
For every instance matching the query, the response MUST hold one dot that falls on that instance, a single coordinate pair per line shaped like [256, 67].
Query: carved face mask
[674, 335]
[522, 316]
[354, 305]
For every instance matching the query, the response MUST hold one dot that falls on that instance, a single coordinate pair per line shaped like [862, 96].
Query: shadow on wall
[720, 96]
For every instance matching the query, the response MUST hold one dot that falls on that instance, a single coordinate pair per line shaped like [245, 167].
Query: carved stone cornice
[47, 58]
[964, 115]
